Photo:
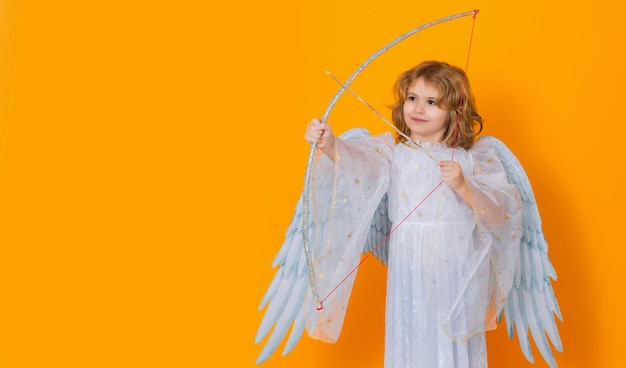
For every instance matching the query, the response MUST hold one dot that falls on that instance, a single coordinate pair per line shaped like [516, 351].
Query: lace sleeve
[498, 211]
[472, 264]
[345, 194]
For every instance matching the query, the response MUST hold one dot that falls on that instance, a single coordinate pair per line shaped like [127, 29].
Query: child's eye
[411, 98]
[432, 102]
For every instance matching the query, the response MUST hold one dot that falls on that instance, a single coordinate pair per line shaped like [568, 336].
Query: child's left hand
[452, 175]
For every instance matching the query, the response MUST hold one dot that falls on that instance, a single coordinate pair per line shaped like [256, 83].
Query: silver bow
[331, 105]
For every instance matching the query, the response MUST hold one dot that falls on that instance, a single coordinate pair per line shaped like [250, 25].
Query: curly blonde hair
[455, 93]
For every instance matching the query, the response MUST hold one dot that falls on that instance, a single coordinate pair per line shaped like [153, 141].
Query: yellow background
[151, 154]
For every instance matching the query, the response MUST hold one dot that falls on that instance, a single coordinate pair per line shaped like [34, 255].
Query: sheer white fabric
[344, 195]
[450, 268]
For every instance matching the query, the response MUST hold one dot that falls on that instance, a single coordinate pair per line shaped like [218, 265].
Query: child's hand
[452, 175]
[320, 133]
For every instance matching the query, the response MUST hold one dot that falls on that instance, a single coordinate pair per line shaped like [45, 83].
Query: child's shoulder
[356, 134]
[486, 143]
[486, 148]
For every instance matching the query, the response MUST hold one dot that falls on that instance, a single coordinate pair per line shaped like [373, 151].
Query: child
[456, 220]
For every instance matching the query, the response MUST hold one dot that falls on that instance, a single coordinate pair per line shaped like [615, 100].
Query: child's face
[427, 122]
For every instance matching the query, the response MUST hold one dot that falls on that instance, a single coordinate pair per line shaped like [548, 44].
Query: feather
[379, 232]
[296, 332]
[531, 304]
[286, 292]
[289, 310]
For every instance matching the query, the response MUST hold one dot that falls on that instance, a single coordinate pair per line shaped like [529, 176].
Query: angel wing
[378, 237]
[531, 303]
[287, 290]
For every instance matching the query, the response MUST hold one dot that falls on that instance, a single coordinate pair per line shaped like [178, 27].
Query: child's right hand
[320, 133]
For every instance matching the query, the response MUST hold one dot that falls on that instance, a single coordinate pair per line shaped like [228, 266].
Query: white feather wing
[286, 292]
[531, 304]
[378, 237]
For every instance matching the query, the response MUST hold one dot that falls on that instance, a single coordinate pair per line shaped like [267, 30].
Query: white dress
[450, 268]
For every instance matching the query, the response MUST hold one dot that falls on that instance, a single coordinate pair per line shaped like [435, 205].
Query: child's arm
[321, 133]
[490, 211]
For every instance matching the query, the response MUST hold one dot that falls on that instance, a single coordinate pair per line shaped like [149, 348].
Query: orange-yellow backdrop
[151, 154]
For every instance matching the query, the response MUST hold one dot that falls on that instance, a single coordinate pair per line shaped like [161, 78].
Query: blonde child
[456, 220]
